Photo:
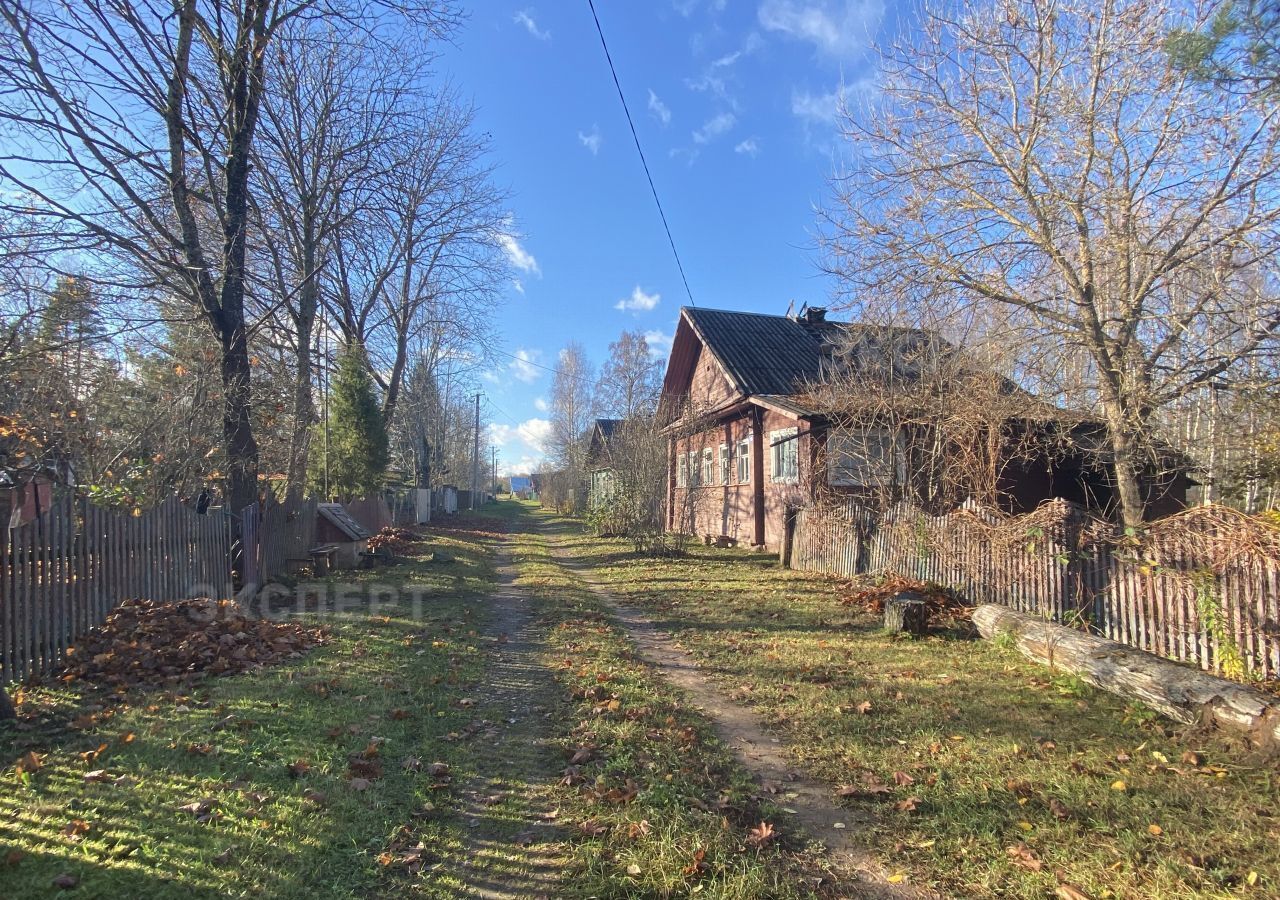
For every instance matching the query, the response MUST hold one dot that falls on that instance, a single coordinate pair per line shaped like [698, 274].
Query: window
[865, 457]
[744, 460]
[682, 470]
[708, 467]
[724, 463]
[785, 445]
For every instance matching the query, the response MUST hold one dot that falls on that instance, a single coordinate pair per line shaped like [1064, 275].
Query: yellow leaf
[1252, 878]
[897, 878]
[1119, 786]
[1155, 829]
[1026, 826]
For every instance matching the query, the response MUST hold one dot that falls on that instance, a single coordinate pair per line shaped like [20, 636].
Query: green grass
[659, 806]
[992, 750]
[386, 674]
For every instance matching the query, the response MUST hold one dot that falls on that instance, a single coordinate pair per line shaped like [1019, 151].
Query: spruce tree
[358, 453]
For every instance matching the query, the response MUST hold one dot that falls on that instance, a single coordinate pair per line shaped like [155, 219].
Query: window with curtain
[785, 446]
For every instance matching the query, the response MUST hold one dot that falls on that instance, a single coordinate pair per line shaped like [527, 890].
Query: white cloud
[519, 257]
[501, 434]
[540, 404]
[659, 109]
[525, 365]
[826, 108]
[819, 108]
[525, 465]
[535, 432]
[518, 285]
[749, 147]
[525, 18]
[714, 127]
[592, 139]
[838, 28]
[659, 343]
[639, 301]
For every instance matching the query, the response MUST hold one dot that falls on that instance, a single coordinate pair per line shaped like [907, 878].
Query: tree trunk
[906, 612]
[1179, 692]
[1124, 465]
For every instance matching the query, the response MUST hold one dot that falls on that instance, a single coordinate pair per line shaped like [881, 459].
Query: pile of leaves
[144, 642]
[872, 597]
[395, 541]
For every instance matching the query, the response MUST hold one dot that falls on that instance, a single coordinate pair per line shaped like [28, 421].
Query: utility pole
[475, 457]
[493, 478]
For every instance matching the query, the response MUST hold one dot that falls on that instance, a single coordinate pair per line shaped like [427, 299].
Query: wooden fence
[64, 572]
[1200, 587]
[286, 530]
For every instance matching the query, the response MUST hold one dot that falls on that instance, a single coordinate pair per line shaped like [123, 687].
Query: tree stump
[906, 612]
[6, 707]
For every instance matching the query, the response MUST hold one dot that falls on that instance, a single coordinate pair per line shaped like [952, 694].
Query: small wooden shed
[336, 526]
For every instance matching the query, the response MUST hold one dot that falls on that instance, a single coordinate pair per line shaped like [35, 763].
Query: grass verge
[991, 776]
[311, 779]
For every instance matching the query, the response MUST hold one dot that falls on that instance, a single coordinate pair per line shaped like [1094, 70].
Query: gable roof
[761, 353]
[775, 359]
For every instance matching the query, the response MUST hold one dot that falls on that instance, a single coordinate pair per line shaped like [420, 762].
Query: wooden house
[746, 443]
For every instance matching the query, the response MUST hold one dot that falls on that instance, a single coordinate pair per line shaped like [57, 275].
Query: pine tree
[358, 452]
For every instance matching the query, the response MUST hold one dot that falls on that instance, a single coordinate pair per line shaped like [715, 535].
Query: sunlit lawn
[980, 750]
[270, 752]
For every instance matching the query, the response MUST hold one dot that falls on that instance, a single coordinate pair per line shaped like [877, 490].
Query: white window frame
[784, 455]
[682, 470]
[846, 466]
[743, 459]
[708, 467]
[724, 464]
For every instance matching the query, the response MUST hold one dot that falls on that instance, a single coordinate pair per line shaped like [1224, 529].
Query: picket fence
[1173, 592]
[62, 573]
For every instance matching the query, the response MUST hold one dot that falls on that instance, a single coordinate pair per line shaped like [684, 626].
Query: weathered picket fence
[283, 532]
[1202, 587]
[62, 573]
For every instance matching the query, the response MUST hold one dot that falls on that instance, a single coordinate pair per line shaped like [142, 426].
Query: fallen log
[1183, 694]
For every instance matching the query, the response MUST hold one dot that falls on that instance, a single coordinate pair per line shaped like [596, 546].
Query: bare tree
[420, 262]
[572, 412]
[130, 129]
[1039, 161]
[631, 379]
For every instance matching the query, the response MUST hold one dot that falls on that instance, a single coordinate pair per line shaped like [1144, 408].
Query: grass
[391, 676]
[983, 753]
[659, 806]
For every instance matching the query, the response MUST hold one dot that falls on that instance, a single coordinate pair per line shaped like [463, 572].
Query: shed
[334, 525]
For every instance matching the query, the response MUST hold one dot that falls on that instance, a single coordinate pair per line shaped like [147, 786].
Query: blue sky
[735, 104]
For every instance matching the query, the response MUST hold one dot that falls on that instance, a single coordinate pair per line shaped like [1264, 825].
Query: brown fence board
[64, 572]
[1148, 602]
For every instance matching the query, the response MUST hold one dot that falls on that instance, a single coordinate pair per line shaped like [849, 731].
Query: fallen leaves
[145, 642]
[202, 810]
[29, 762]
[761, 836]
[1024, 857]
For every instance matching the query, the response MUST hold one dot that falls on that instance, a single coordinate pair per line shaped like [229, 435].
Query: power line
[647, 174]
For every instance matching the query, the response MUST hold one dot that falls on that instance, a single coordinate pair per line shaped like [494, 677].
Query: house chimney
[815, 314]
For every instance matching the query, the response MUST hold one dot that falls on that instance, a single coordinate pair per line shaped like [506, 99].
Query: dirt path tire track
[836, 828]
[514, 852]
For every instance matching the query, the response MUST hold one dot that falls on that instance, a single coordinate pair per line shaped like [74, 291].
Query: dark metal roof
[607, 427]
[763, 354]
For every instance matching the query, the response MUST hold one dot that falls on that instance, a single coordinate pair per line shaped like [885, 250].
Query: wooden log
[906, 612]
[1178, 691]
